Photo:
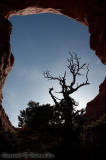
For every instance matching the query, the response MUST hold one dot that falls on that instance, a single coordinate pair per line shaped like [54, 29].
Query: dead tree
[75, 70]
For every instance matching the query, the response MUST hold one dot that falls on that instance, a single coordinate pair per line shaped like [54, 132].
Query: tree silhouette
[67, 103]
[35, 116]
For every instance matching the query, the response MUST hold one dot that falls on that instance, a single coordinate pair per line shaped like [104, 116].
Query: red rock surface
[97, 107]
[88, 12]
[5, 124]
[6, 63]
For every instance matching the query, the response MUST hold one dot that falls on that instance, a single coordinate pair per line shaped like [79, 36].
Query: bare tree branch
[62, 80]
[53, 97]
[49, 76]
[82, 84]
[67, 103]
[75, 69]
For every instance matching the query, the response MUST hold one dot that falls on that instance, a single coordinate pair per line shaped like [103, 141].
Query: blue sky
[41, 42]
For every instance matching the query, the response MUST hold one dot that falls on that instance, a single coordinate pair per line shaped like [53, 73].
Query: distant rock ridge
[91, 13]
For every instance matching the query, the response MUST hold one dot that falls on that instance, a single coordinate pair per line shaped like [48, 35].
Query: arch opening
[41, 42]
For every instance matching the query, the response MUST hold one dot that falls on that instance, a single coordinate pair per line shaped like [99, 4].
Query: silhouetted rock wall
[5, 124]
[97, 107]
[6, 62]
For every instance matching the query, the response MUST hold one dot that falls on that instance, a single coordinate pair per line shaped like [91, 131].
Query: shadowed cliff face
[6, 63]
[97, 107]
[91, 13]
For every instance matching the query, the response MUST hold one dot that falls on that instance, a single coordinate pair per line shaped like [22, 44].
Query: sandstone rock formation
[5, 124]
[91, 13]
[6, 62]
[97, 107]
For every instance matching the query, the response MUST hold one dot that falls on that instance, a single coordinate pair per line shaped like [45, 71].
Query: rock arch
[91, 13]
